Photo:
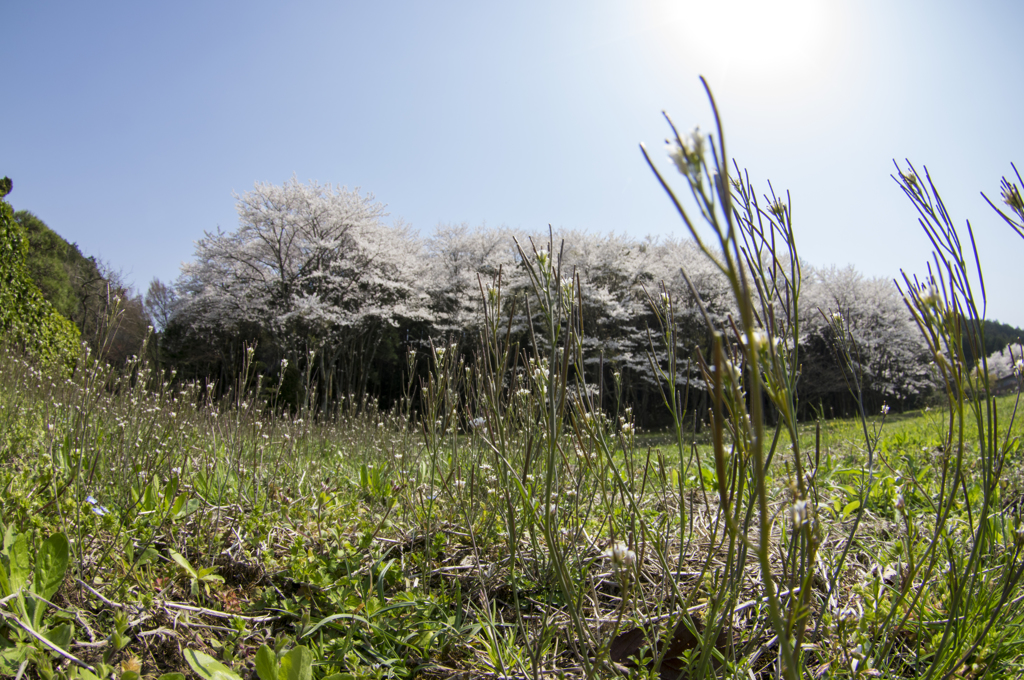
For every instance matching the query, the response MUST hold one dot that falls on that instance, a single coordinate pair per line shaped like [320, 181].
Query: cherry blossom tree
[316, 270]
[460, 258]
[859, 324]
[323, 282]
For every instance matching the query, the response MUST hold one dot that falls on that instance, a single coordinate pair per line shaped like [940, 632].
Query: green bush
[26, 318]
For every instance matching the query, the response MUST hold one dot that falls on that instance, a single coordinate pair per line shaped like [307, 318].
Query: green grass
[385, 556]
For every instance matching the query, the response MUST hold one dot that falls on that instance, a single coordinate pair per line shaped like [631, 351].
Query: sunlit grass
[361, 514]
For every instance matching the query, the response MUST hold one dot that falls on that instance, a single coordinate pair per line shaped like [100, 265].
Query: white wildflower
[544, 263]
[799, 512]
[620, 555]
[761, 340]
[687, 152]
[732, 372]
[1012, 197]
[886, 574]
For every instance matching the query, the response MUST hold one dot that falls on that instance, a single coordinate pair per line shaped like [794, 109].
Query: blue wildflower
[97, 508]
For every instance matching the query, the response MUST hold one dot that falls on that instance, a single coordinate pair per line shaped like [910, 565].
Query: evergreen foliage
[27, 320]
[109, 317]
[48, 262]
[997, 337]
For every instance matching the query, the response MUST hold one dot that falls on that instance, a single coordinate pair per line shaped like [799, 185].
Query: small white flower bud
[620, 555]
[799, 512]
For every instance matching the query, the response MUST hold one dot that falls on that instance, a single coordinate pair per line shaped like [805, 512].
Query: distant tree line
[336, 299]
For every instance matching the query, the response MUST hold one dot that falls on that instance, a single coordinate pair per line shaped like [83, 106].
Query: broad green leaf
[207, 574]
[60, 636]
[34, 609]
[191, 506]
[5, 583]
[130, 675]
[180, 559]
[850, 507]
[148, 555]
[17, 555]
[170, 489]
[296, 664]
[9, 534]
[64, 457]
[266, 663]
[150, 498]
[201, 483]
[11, 658]
[207, 667]
[51, 565]
[172, 676]
[177, 506]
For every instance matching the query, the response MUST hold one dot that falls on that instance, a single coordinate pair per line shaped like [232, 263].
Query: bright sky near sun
[127, 127]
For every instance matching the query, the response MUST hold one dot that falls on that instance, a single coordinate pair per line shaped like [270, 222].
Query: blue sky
[128, 126]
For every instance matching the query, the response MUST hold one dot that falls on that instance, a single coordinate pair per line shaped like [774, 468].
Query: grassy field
[370, 546]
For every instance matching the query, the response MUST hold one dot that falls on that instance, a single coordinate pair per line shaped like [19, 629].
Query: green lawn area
[157, 532]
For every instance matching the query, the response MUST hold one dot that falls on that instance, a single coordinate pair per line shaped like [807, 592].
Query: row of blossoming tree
[338, 301]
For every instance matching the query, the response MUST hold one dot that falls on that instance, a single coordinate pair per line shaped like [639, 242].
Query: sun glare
[753, 42]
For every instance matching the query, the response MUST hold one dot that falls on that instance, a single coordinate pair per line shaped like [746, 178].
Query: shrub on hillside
[26, 318]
